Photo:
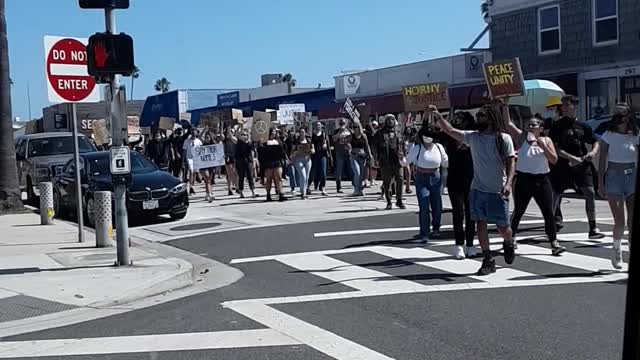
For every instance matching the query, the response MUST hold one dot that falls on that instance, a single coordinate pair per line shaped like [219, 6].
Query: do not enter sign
[66, 69]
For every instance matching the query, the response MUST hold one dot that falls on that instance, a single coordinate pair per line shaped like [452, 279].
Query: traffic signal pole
[117, 139]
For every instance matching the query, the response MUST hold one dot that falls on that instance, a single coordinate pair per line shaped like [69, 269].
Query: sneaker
[471, 252]
[241, 195]
[509, 252]
[435, 234]
[401, 206]
[381, 197]
[324, 193]
[389, 207]
[230, 193]
[488, 267]
[616, 258]
[595, 234]
[556, 249]
[192, 192]
[459, 252]
[308, 192]
[340, 191]
[207, 198]
[408, 191]
[424, 240]
[281, 198]
[212, 196]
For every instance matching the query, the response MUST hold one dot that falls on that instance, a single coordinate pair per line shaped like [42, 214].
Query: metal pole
[76, 159]
[119, 187]
[103, 215]
[630, 349]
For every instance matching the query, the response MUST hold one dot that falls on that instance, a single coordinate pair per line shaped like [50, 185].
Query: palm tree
[10, 197]
[162, 85]
[484, 8]
[291, 82]
[134, 75]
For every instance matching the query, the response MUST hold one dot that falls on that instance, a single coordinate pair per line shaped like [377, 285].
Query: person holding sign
[158, 150]
[207, 173]
[301, 155]
[273, 159]
[341, 140]
[494, 168]
[360, 152]
[244, 161]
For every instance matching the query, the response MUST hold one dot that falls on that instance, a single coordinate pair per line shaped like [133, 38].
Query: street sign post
[68, 82]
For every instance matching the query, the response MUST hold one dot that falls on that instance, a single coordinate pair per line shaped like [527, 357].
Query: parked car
[41, 156]
[150, 192]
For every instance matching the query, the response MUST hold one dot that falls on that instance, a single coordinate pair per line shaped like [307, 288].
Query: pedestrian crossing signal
[110, 54]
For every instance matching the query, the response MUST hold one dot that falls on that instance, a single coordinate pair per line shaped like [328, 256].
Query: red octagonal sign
[66, 67]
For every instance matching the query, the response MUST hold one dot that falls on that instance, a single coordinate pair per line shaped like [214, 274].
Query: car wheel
[91, 212]
[178, 216]
[32, 199]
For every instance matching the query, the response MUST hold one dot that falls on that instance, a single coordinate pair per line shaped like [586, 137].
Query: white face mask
[427, 140]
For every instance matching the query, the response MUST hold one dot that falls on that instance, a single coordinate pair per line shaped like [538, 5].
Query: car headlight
[179, 189]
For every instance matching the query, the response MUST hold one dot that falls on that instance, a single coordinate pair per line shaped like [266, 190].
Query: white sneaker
[471, 251]
[207, 198]
[459, 253]
[212, 197]
[616, 258]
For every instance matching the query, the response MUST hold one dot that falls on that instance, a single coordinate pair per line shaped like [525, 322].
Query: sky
[201, 44]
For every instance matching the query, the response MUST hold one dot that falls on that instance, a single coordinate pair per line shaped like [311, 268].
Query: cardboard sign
[100, 131]
[352, 111]
[260, 127]
[302, 120]
[185, 116]
[133, 125]
[418, 97]
[286, 111]
[208, 156]
[504, 78]
[166, 123]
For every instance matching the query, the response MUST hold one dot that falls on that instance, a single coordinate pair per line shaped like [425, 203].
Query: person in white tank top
[535, 153]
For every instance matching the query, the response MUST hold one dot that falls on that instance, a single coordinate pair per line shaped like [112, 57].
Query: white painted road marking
[145, 343]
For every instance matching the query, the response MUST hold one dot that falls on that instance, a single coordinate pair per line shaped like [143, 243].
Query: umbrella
[537, 94]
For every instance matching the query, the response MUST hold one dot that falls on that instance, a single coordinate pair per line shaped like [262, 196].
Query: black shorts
[566, 177]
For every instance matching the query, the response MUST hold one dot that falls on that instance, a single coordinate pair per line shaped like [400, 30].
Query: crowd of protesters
[473, 157]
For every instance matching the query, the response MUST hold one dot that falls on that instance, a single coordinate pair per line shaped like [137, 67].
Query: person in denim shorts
[617, 175]
[494, 168]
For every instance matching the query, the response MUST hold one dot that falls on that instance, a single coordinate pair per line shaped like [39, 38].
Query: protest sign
[418, 97]
[302, 120]
[209, 120]
[286, 111]
[504, 78]
[260, 127]
[100, 131]
[352, 111]
[208, 156]
[166, 123]
[185, 116]
[133, 125]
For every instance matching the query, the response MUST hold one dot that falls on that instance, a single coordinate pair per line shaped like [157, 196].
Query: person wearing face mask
[301, 155]
[427, 159]
[459, 186]
[536, 153]
[189, 144]
[207, 173]
[158, 150]
[617, 175]
[494, 167]
[389, 152]
[230, 144]
[341, 140]
[243, 163]
[574, 164]
[319, 159]
[360, 152]
[176, 141]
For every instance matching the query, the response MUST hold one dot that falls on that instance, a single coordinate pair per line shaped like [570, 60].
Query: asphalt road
[381, 295]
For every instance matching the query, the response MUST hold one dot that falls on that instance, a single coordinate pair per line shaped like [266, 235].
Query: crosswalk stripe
[145, 343]
[570, 259]
[357, 277]
[319, 252]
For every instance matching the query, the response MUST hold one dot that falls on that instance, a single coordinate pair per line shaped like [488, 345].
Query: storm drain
[22, 307]
[195, 227]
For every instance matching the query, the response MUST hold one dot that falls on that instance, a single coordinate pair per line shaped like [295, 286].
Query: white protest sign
[208, 156]
[286, 111]
[352, 111]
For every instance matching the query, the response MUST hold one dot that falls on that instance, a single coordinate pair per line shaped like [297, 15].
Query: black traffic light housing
[110, 54]
[103, 4]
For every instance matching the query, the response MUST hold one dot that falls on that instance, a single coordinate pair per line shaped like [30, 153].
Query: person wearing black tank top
[319, 159]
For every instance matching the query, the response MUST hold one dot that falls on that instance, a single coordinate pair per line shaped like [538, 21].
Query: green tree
[162, 85]
[10, 196]
[134, 75]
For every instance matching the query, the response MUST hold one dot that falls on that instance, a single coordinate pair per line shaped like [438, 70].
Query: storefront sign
[208, 156]
[229, 99]
[418, 97]
[504, 78]
[260, 127]
[351, 84]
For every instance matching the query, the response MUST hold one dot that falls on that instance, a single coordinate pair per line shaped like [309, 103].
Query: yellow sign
[504, 78]
[418, 97]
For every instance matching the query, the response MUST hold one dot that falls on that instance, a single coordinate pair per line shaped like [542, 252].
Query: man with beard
[388, 150]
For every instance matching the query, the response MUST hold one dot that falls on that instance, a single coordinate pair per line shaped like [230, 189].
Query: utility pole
[117, 139]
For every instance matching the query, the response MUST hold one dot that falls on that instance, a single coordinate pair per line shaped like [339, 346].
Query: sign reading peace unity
[260, 127]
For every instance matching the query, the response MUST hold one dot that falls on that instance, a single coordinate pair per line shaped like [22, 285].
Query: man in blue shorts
[494, 168]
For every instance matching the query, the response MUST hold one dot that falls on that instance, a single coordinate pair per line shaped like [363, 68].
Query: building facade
[59, 117]
[595, 42]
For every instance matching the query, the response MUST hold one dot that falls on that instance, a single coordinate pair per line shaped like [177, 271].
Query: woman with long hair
[273, 158]
[301, 155]
[428, 158]
[535, 155]
[617, 175]
[208, 173]
[360, 152]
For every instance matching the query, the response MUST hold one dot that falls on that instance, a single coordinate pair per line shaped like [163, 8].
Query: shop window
[601, 97]
[605, 22]
[549, 30]
[631, 92]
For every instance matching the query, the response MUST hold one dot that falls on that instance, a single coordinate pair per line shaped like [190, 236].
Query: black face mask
[482, 126]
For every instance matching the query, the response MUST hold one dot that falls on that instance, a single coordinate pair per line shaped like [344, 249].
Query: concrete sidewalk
[44, 270]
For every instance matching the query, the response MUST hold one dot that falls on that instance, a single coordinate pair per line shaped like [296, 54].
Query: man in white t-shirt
[189, 144]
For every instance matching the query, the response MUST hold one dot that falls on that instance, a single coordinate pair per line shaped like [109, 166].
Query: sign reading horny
[418, 97]
[504, 78]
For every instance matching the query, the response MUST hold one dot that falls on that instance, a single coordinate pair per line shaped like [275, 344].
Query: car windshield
[139, 165]
[58, 146]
